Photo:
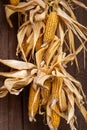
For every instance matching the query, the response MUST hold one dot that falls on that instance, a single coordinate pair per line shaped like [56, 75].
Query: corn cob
[38, 43]
[56, 84]
[14, 2]
[33, 104]
[51, 26]
[45, 93]
[55, 118]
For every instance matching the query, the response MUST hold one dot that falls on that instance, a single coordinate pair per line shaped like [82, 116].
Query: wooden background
[13, 109]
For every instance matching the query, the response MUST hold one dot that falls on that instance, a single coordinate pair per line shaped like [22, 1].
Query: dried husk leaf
[68, 8]
[39, 43]
[20, 37]
[3, 92]
[41, 78]
[62, 100]
[70, 105]
[9, 12]
[37, 27]
[22, 8]
[39, 55]
[33, 32]
[17, 84]
[51, 50]
[76, 84]
[61, 33]
[71, 23]
[27, 47]
[73, 89]
[19, 65]
[40, 16]
[15, 74]
[32, 13]
[72, 44]
[82, 109]
[80, 4]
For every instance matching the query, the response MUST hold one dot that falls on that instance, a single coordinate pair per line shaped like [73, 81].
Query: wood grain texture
[13, 109]
[4, 55]
[15, 119]
[82, 74]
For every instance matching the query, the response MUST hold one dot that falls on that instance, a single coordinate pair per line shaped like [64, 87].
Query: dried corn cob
[14, 2]
[55, 118]
[33, 104]
[51, 26]
[45, 93]
[56, 84]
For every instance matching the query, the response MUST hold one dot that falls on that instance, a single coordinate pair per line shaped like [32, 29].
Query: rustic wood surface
[13, 109]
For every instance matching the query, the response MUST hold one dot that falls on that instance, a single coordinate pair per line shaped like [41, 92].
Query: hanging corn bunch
[46, 28]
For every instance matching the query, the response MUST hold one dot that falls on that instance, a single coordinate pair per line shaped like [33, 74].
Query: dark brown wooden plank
[14, 102]
[82, 74]
[4, 55]
[15, 113]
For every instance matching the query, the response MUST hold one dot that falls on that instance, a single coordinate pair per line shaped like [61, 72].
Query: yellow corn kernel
[55, 118]
[51, 26]
[45, 93]
[56, 84]
[14, 2]
[38, 43]
[33, 104]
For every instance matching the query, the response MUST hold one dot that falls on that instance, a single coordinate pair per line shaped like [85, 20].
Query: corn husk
[19, 65]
